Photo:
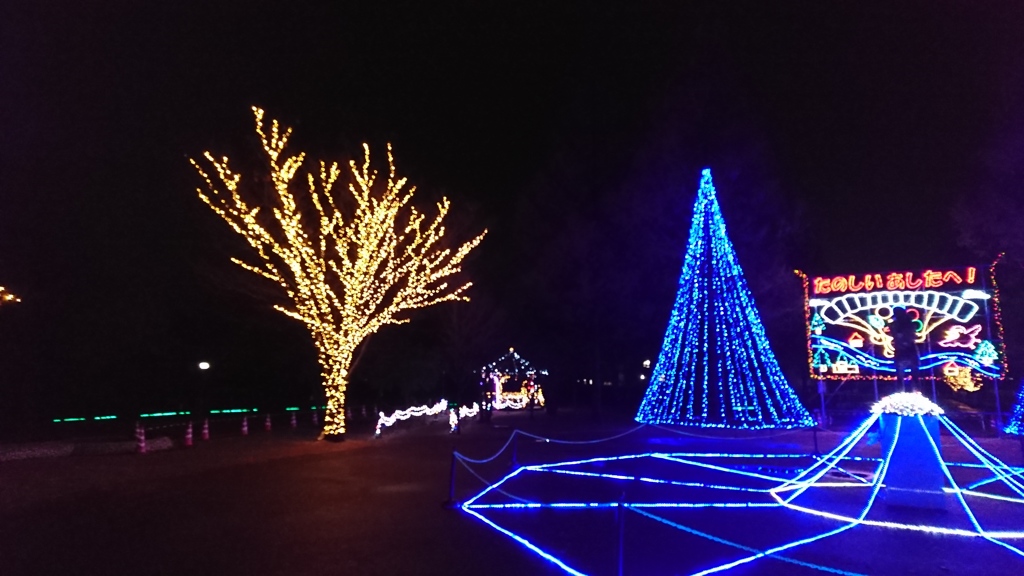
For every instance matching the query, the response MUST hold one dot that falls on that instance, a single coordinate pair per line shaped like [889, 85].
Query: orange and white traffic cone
[266, 423]
[206, 429]
[140, 438]
[245, 426]
[293, 422]
[188, 435]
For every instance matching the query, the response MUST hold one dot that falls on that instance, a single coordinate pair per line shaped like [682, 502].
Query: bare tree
[345, 276]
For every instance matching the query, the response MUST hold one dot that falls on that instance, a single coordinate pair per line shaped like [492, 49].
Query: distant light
[642, 377]
[647, 363]
[161, 414]
[291, 409]
[204, 365]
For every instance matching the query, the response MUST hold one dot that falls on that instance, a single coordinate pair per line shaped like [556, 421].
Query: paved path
[276, 504]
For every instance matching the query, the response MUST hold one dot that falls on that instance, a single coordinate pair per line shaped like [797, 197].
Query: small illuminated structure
[841, 490]
[501, 378]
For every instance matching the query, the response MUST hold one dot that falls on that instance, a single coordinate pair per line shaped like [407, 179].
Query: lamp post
[204, 366]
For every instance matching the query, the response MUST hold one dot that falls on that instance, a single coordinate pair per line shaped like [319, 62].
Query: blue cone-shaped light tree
[1016, 425]
[716, 368]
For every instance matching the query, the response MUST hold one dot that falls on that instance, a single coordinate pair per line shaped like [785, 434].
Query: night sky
[843, 137]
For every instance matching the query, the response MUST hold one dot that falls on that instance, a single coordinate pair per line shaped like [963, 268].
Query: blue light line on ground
[718, 468]
[653, 480]
[991, 462]
[1007, 474]
[740, 546]
[534, 505]
[589, 461]
[531, 546]
[844, 447]
[871, 501]
[960, 496]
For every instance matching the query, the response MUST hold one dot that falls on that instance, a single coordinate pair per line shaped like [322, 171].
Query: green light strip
[68, 419]
[291, 409]
[158, 414]
[232, 411]
[104, 417]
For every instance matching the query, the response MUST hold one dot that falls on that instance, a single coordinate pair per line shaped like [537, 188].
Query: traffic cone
[188, 434]
[206, 428]
[140, 438]
[266, 423]
[293, 422]
[245, 426]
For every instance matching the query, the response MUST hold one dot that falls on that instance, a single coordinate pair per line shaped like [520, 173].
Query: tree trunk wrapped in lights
[345, 275]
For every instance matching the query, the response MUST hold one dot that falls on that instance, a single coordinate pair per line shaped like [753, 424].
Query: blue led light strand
[836, 455]
[713, 538]
[716, 368]
[960, 496]
[871, 501]
[991, 462]
[525, 543]
[653, 480]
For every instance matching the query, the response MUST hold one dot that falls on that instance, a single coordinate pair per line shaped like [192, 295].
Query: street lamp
[204, 365]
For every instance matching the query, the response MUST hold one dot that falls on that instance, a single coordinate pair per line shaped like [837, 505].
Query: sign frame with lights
[956, 313]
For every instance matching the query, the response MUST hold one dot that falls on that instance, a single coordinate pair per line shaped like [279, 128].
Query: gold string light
[7, 297]
[346, 276]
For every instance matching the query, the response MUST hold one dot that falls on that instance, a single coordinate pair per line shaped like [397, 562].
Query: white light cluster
[517, 400]
[454, 416]
[906, 404]
[425, 410]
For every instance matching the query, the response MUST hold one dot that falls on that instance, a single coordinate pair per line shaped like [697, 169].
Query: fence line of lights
[385, 420]
[454, 414]
[178, 413]
[781, 490]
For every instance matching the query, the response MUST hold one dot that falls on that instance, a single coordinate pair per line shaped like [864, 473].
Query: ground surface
[281, 503]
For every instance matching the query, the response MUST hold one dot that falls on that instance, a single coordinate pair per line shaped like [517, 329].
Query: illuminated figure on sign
[904, 336]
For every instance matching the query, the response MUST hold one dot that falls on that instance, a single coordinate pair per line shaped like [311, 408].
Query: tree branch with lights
[345, 275]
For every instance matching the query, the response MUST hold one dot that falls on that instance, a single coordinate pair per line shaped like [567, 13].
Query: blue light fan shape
[707, 513]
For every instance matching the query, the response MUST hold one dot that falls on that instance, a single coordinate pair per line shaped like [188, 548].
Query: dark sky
[841, 136]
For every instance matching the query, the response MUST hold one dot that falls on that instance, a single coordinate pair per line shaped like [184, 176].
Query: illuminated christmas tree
[344, 275]
[716, 368]
[1016, 425]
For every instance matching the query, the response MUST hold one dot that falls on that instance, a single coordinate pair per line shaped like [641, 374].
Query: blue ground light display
[716, 368]
[699, 512]
[1016, 425]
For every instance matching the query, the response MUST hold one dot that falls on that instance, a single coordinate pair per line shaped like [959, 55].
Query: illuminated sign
[955, 312]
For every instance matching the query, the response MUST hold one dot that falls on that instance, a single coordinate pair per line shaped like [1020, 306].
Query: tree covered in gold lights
[345, 274]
